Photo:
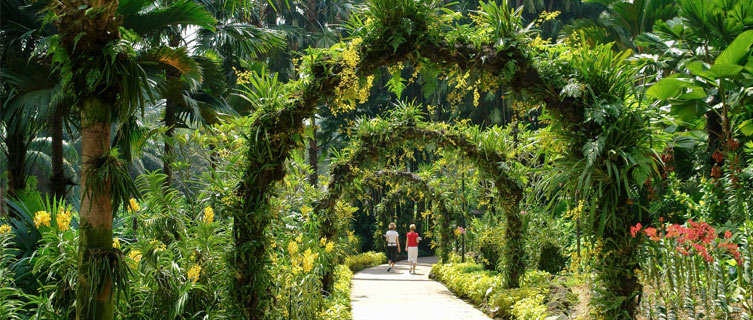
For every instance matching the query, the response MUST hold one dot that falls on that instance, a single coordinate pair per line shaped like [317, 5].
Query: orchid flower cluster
[696, 237]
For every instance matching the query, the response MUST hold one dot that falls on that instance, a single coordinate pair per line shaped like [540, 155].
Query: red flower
[635, 229]
[716, 172]
[674, 231]
[727, 235]
[733, 144]
[718, 156]
[651, 233]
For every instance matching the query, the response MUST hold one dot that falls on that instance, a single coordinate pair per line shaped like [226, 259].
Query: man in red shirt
[411, 246]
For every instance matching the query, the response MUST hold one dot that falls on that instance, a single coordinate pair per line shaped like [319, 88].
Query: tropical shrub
[484, 289]
[490, 245]
[551, 258]
[365, 260]
[337, 304]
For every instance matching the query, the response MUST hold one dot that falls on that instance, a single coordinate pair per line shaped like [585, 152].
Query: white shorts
[413, 254]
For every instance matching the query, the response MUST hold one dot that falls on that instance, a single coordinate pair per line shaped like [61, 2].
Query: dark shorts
[392, 253]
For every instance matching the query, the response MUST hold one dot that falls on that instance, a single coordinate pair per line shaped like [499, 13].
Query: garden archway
[416, 183]
[398, 31]
[485, 149]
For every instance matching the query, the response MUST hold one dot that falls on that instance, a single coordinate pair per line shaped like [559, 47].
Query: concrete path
[380, 295]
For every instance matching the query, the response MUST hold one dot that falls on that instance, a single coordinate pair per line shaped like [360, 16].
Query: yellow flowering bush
[116, 243]
[42, 218]
[292, 248]
[308, 260]
[5, 229]
[350, 87]
[133, 206]
[365, 260]
[208, 215]
[134, 258]
[194, 272]
[329, 247]
[484, 289]
[63, 220]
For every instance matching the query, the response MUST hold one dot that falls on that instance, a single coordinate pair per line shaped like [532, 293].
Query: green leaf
[724, 70]
[746, 127]
[667, 88]
[396, 84]
[736, 50]
[695, 92]
[183, 12]
[697, 68]
[689, 111]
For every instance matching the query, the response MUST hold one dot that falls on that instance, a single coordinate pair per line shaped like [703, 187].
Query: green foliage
[143, 21]
[484, 289]
[490, 245]
[551, 258]
[365, 260]
[109, 171]
[337, 304]
[12, 296]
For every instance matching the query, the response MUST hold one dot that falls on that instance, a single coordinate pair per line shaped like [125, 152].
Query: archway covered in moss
[418, 32]
[484, 148]
[416, 183]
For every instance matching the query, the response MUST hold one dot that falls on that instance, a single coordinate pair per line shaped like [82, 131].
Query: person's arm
[398, 244]
[406, 243]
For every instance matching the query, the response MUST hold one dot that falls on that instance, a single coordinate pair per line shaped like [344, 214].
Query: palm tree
[194, 87]
[31, 90]
[107, 84]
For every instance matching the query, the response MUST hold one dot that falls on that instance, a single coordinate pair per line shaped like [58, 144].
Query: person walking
[411, 246]
[393, 246]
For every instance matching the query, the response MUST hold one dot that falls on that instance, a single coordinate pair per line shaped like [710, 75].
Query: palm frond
[183, 12]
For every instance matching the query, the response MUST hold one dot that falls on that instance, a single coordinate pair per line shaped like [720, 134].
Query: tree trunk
[714, 132]
[616, 274]
[513, 260]
[313, 151]
[17, 150]
[95, 228]
[58, 182]
[170, 122]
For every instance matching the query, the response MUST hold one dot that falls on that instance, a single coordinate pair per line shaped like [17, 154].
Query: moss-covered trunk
[251, 287]
[619, 290]
[94, 300]
[313, 151]
[445, 236]
[329, 231]
[512, 265]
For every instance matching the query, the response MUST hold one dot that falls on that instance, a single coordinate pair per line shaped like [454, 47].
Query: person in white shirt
[393, 246]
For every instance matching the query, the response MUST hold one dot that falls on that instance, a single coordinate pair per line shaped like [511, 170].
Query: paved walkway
[379, 295]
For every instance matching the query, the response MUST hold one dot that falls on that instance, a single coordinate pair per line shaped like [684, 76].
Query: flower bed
[365, 260]
[484, 289]
[337, 305]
